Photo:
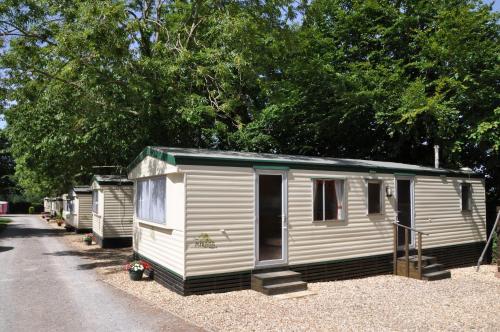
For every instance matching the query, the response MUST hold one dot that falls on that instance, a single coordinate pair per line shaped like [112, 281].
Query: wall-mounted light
[388, 191]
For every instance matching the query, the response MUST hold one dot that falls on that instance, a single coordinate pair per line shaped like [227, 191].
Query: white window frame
[314, 181]
[382, 197]
[149, 221]
[469, 198]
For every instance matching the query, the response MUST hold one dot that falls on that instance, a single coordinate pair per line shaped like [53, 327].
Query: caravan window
[466, 197]
[328, 200]
[95, 201]
[375, 197]
[150, 196]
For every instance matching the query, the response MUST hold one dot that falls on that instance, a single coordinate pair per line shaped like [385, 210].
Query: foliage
[91, 83]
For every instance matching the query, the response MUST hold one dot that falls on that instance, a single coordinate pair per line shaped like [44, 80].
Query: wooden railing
[407, 249]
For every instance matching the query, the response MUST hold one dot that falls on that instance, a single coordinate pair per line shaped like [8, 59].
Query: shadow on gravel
[22, 231]
[2, 249]
[97, 257]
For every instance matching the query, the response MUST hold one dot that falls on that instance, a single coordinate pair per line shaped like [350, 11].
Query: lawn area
[3, 223]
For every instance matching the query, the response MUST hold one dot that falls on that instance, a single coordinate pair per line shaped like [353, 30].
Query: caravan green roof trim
[185, 156]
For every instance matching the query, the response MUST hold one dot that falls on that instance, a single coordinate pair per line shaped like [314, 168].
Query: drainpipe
[436, 156]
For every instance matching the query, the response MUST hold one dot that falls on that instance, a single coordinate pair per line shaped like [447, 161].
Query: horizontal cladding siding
[118, 211]
[165, 247]
[438, 211]
[84, 211]
[360, 235]
[97, 224]
[219, 198]
[222, 198]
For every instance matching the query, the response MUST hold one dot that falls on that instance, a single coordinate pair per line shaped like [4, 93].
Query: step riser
[444, 276]
[431, 269]
[285, 289]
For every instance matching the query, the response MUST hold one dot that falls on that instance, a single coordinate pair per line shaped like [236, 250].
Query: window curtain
[157, 200]
[339, 190]
[150, 200]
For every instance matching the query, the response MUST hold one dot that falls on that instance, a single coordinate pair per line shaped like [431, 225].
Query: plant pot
[135, 275]
[88, 242]
[59, 224]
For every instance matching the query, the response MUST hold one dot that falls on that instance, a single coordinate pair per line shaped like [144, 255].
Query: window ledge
[153, 224]
[329, 220]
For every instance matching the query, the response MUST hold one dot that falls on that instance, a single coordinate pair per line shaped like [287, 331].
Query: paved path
[41, 291]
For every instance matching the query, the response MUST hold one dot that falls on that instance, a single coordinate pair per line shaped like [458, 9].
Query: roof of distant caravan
[111, 180]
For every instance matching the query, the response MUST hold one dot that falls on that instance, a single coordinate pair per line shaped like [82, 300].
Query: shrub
[31, 210]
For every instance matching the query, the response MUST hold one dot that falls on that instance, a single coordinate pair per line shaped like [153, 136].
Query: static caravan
[56, 206]
[79, 209]
[112, 210]
[46, 205]
[210, 220]
[66, 210]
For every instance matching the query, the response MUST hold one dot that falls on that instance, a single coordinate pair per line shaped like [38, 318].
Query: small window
[375, 198]
[95, 201]
[328, 200]
[466, 197]
[150, 196]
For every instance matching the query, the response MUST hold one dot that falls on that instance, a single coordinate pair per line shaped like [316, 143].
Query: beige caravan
[207, 220]
[78, 209]
[112, 210]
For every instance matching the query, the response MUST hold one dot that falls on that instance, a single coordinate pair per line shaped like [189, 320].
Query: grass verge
[3, 223]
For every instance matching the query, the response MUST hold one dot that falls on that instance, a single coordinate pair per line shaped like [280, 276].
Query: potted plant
[88, 238]
[59, 222]
[136, 269]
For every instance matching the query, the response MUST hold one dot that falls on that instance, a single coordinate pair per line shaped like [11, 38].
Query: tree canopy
[87, 83]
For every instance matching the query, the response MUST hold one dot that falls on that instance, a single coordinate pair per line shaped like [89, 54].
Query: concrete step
[432, 268]
[260, 280]
[439, 275]
[282, 288]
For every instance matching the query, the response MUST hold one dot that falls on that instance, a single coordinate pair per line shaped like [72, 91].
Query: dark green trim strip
[280, 164]
[278, 168]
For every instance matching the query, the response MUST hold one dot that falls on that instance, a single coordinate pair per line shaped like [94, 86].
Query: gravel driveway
[467, 301]
[46, 286]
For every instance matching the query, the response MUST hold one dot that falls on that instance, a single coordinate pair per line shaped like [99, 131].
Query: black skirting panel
[450, 256]
[83, 230]
[460, 255]
[215, 283]
[345, 269]
[113, 242]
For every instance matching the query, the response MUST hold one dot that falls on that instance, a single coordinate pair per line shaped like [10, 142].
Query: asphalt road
[43, 291]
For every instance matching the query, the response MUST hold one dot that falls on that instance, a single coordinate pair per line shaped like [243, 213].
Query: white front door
[271, 220]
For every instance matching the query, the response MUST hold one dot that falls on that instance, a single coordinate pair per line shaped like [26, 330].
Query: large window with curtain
[329, 200]
[150, 197]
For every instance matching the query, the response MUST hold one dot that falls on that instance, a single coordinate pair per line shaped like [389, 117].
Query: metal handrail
[410, 228]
